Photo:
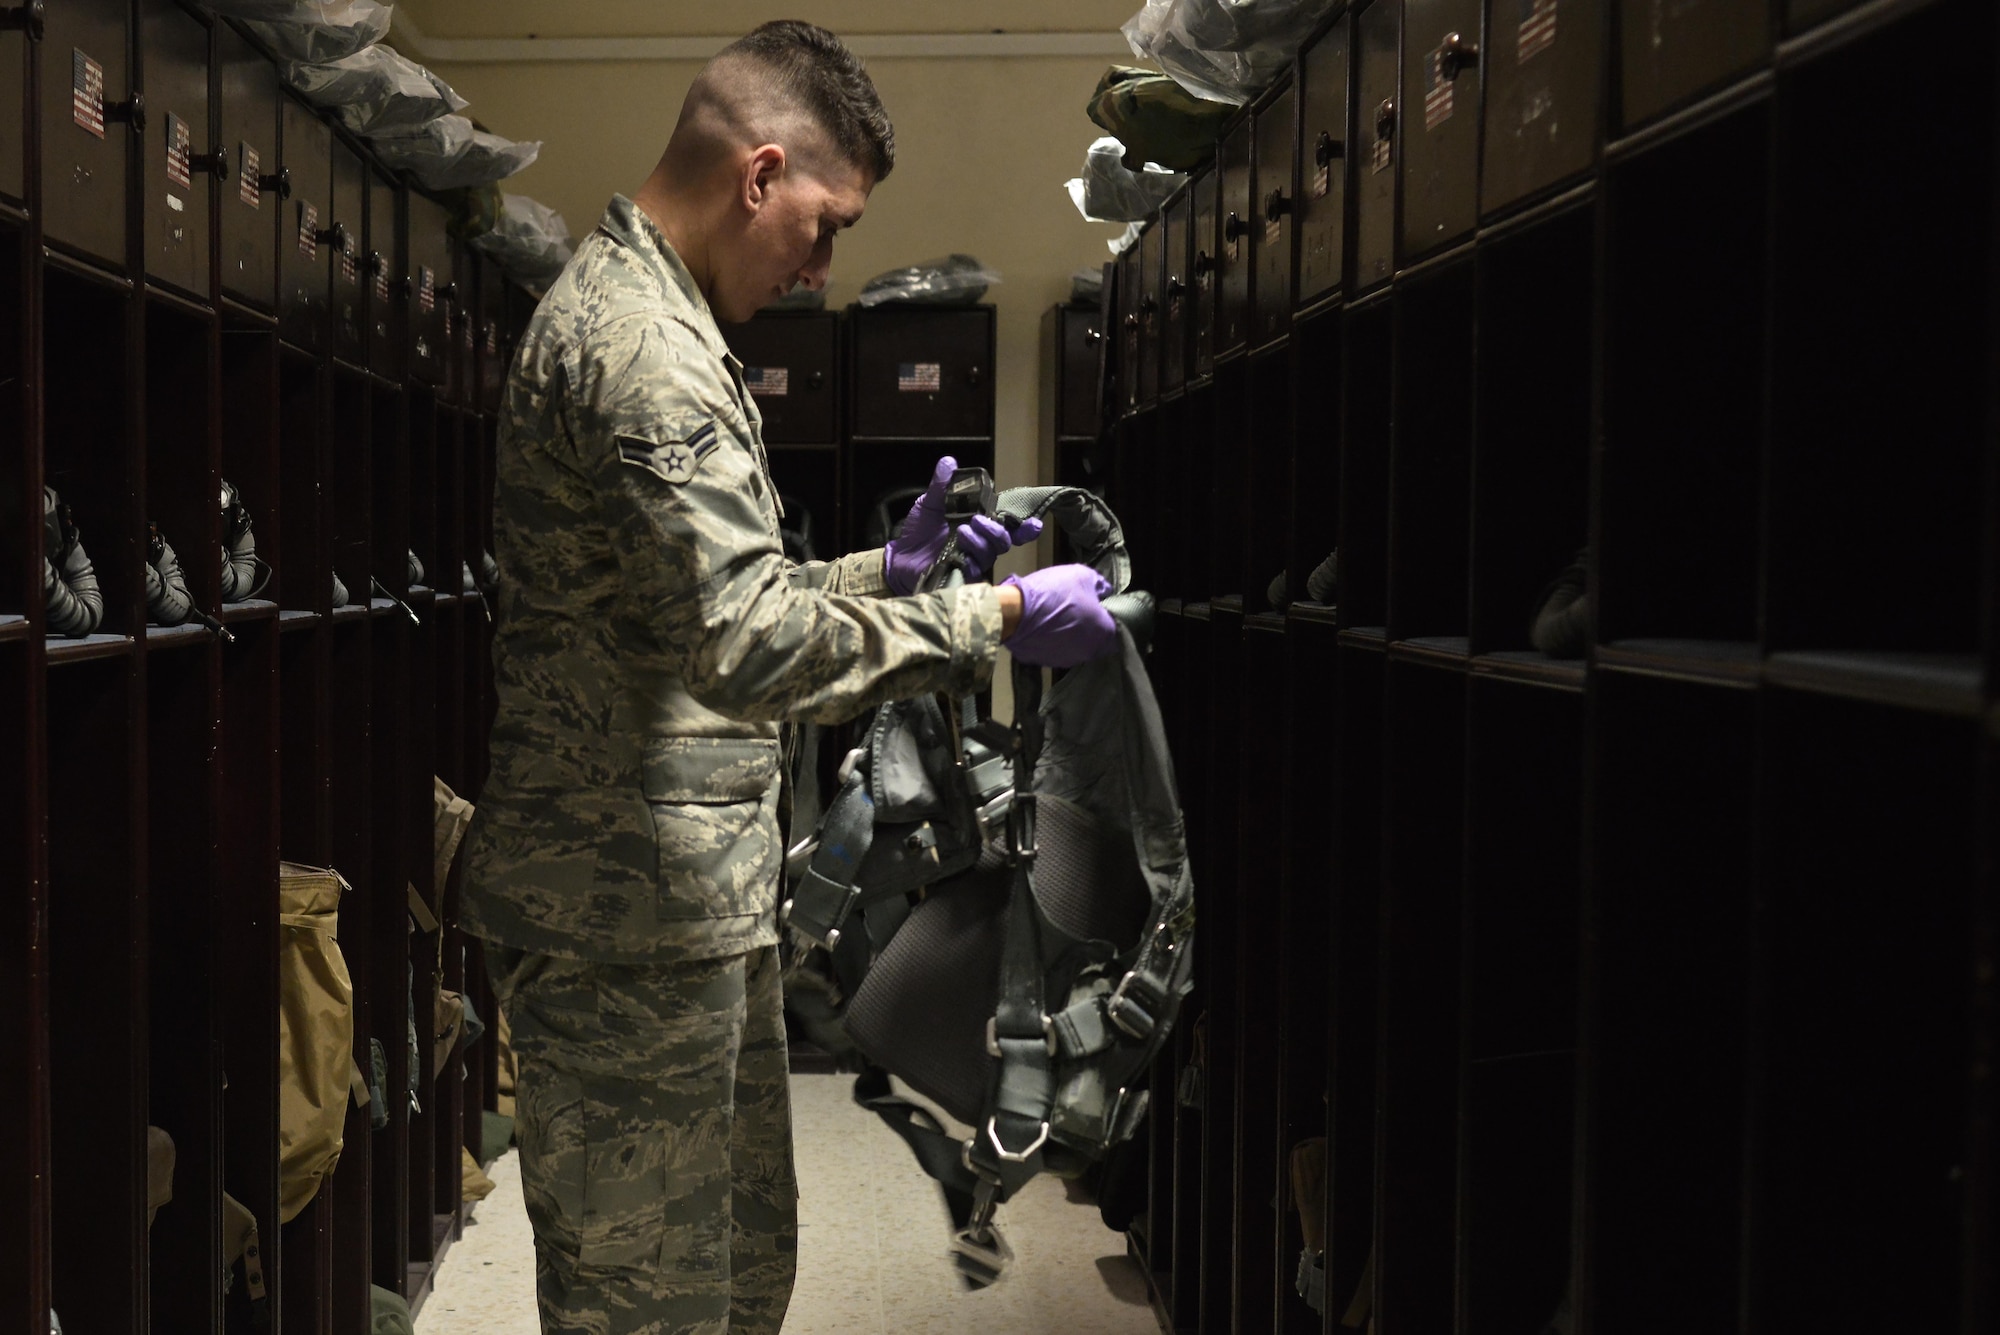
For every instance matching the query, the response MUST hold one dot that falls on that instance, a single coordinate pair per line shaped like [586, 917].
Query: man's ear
[763, 167]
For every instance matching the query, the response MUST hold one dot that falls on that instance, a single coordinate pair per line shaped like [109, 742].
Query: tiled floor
[872, 1257]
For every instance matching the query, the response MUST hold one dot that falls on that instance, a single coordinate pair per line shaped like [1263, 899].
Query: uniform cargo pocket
[715, 824]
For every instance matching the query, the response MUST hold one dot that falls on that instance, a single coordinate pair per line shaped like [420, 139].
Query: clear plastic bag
[955, 280]
[1224, 50]
[1110, 192]
[376, 91]
[323, 33]
[529, 239]
[449, 154]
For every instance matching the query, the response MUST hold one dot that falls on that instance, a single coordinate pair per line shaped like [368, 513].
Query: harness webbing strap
[826, 893]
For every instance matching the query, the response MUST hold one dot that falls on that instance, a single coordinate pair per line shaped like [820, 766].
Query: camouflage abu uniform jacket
[652, 631]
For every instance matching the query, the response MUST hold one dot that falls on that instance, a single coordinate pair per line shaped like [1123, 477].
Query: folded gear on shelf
[954, 280]
[1109, 191]
[1156, 119]
[1224, 50]
[312, 32]
[450, 153]
[1008, 911]
[376, 90]
[528, 239]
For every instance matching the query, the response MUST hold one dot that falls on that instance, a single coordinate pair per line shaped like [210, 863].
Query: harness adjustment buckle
[1132, 1015]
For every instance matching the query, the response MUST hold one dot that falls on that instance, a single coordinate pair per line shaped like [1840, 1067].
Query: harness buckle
[991, 818]
[1009, 1156]
[1135, 1019]
[993, 1036]
[1021, 828]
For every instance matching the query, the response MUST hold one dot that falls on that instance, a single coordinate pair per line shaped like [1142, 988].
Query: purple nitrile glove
[1063, 620]
[921, 541]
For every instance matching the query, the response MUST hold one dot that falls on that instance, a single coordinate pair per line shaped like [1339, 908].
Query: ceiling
[674, 18]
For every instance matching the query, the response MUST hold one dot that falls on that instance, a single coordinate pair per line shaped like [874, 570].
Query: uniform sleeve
[681, 493]
[858, 575]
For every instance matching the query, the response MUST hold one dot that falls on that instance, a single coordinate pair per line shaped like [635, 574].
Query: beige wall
[983, 147]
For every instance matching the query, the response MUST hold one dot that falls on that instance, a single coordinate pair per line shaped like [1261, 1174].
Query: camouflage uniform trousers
[654, 1120]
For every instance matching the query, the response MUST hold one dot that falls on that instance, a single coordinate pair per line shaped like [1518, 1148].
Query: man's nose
[813, 276]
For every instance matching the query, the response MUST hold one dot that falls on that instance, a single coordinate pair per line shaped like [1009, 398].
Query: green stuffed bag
[1156, 119]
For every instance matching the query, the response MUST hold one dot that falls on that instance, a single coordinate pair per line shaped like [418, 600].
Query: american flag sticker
[492, 338]
[246, 179]
[382, 282]
[1437, 91]
[86, 92]
[426, 289]
[1322, 181]
[919, 377]
[177, 152]
[1538, 29]
[309, 231]
[1384, 154]
[768, 382]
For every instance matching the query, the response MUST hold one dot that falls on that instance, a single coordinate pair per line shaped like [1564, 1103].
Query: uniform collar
[628, 225]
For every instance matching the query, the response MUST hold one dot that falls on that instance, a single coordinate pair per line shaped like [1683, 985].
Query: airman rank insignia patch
[672, 461]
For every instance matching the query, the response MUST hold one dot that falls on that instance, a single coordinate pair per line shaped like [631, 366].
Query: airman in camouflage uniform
[625, 859]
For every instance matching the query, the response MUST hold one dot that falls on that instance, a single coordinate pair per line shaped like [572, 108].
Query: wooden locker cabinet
[1442, 61]
[1127, 324]
[493, 337]
[1152, 249]
[385, 273]
[1275, 201]
[1237, 239]
[1203, 242]
[1668, 54]
[1077, 346]
[347, 226]
[1544, 73]
[461, 327]
[87, 127]
[791, 368]
[305, 237]
[1378, 121]
[1321, 211]
[14, 49]
[921, 374]
[428, 307]
[1176, 294]
[250, 211]
[176, 87]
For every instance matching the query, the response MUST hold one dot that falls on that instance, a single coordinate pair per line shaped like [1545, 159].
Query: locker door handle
[1276, 206]
[279, 181]
[1175, 288]
[1327, 149]
[973, 374]
[1204, 263]
[336, 236]
[449, 294]
[817, 380]
[31, 18]
[1234, 227]
[1092, 336]
[1456, 55]
[132, 111]
[1385, 118]
[216, 163]
[1132, 320]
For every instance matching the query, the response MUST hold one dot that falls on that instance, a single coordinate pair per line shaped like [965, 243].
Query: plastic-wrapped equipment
[530, 240]
[1109, 192]
[376, 91]
[1224, 50]
[955, 280]
[316, 33]
[449, 154]
[1156, 119]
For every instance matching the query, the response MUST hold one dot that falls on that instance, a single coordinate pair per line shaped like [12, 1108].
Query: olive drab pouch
[388, 1314]
[1309, 1196]
[1156, 119]
[315, 1033]
[240, 1243]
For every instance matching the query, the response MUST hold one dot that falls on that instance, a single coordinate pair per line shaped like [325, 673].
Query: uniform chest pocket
[714, 803]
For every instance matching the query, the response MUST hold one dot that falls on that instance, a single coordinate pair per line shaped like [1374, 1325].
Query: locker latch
[30, 18]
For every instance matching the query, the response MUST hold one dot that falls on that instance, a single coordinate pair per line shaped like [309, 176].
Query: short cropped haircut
[814, 69]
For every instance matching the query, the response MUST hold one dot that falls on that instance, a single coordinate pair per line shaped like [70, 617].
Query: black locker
[1237, 240]
[246, 138]
[460, 327]
[921, 374]
[385, 273]
[346, 225]
[1275, 198]
[1207, 197]
[430, 273]
[305, 232]
[1152, 250]
[175, 44]
[1079, 342]
[14, 95]
[1671, 52]
[1174, 293]
[493, 342]
[1127, 324]
[86, 126]
[1323, 138]
[1544, 69]
[1375, 121]
[1442, 57]
[789, 363]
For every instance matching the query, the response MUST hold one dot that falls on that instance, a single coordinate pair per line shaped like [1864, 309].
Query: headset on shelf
[69, 583]
[239, 551]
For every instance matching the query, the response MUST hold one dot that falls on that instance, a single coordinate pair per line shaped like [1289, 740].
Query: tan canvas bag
[315, 1033]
